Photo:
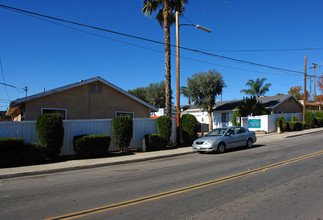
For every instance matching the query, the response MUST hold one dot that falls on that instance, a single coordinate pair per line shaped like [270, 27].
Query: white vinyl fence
[27, 130]
[267, 123]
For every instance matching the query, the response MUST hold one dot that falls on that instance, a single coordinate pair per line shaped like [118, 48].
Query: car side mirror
[227, 134]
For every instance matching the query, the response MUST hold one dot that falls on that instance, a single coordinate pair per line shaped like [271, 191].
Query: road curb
[82, 167]
[296, 135]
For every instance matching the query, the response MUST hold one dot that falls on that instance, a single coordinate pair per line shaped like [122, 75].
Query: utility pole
[304, 101]
[310, 87]
[178, 136]
[26, 89]
[314, 67]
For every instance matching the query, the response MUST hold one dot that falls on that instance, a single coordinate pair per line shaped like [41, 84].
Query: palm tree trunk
[168, 90]
[209, 114]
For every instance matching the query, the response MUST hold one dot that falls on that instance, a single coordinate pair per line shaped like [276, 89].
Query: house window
[96, 88]
[62, 112]
[225, 117]
[131, 114]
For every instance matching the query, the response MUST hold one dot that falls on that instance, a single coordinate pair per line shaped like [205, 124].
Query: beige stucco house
[94, 98]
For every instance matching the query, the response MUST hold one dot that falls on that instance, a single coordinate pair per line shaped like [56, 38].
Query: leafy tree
[252, 106]
[184, 93]
[257, 87]
[280, 94]
[296, 91]
[166, 18]
[319, 98]
[154, 94]
[203, 88]
[139, 93]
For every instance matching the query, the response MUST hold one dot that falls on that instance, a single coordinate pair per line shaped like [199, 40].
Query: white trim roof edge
[80, 83]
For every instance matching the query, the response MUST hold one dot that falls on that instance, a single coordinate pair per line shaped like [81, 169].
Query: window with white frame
[60, 111]
[119, 113]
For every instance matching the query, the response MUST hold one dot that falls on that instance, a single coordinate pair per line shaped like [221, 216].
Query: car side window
[231, 131]
[240, 131]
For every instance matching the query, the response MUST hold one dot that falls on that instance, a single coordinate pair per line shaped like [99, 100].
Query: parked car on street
[221, 139]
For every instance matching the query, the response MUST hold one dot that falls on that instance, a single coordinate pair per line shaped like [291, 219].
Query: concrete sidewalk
[6, 173]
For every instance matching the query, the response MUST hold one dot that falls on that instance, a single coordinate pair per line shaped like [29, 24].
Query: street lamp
[177, 72]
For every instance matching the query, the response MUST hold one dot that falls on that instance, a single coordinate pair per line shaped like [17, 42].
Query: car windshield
[217, 132]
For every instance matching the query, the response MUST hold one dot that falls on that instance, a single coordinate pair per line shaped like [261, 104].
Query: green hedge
[309, 117]
[189, 128]
[234, 116]
[50, 132]
[34, 153]
[164, 127]
[122, 127]
[11, 150]
[88, 145]
[293, 126]
[281, 122]
[155, 142]
[304, 125]
[319, 114]
[295, 118]
[318, 122]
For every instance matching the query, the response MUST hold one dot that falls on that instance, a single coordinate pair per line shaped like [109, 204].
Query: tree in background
[203, 88]
[257, 87]
[296, 91]
[251, 106]
[279, 94]
[320, 83]
[154, 94]
[184, 93]
[166, 18]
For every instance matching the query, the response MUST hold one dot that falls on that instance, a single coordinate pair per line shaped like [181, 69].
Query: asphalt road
[277, 179]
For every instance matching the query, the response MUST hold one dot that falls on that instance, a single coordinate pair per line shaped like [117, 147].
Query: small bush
[34, 153]
[50, 132]
[97, 144]
[122, 127]
[11, 150]
[155, 142]
[281, 122]
[189, 128]
[304, 125]
[318, 122]
[319, 114]
[295, 118]
[164, 127]
[309, 117]
[75, 138]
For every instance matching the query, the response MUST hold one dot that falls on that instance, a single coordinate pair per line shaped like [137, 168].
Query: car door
[231, 138]
[241, 136]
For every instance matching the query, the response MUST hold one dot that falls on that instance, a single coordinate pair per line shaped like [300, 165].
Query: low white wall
[27, 130]
[268, 123]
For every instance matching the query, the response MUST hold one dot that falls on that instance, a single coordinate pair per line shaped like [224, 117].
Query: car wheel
[249, 143]
[221, 148]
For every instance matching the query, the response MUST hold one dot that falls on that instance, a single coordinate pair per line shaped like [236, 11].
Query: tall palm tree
[257, 87]
[166, 18]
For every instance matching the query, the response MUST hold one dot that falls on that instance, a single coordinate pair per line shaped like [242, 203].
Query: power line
[148, 40]
[270, 50]
[3, 78]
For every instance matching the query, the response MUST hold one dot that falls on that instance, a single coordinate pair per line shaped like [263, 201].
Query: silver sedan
[221, 139]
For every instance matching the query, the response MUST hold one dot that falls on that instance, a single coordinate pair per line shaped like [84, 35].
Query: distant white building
[162, 112]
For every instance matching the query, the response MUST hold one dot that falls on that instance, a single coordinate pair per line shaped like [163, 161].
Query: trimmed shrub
[50, 132]
[189, 128]
[281, 122]
[122, 127]
[295, 118]
[155, 142]
[35, 153]
[11, 150]
[75, 138]
[234, 116]
[304, 125]
[319, 114]
[164, 127]
[96, 144]
[318, 122]
[309, 117]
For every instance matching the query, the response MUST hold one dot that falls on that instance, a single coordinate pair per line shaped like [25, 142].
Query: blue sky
[39, 54]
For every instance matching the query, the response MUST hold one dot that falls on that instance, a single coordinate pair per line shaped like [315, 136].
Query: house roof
[73, 85]
[268, 101]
